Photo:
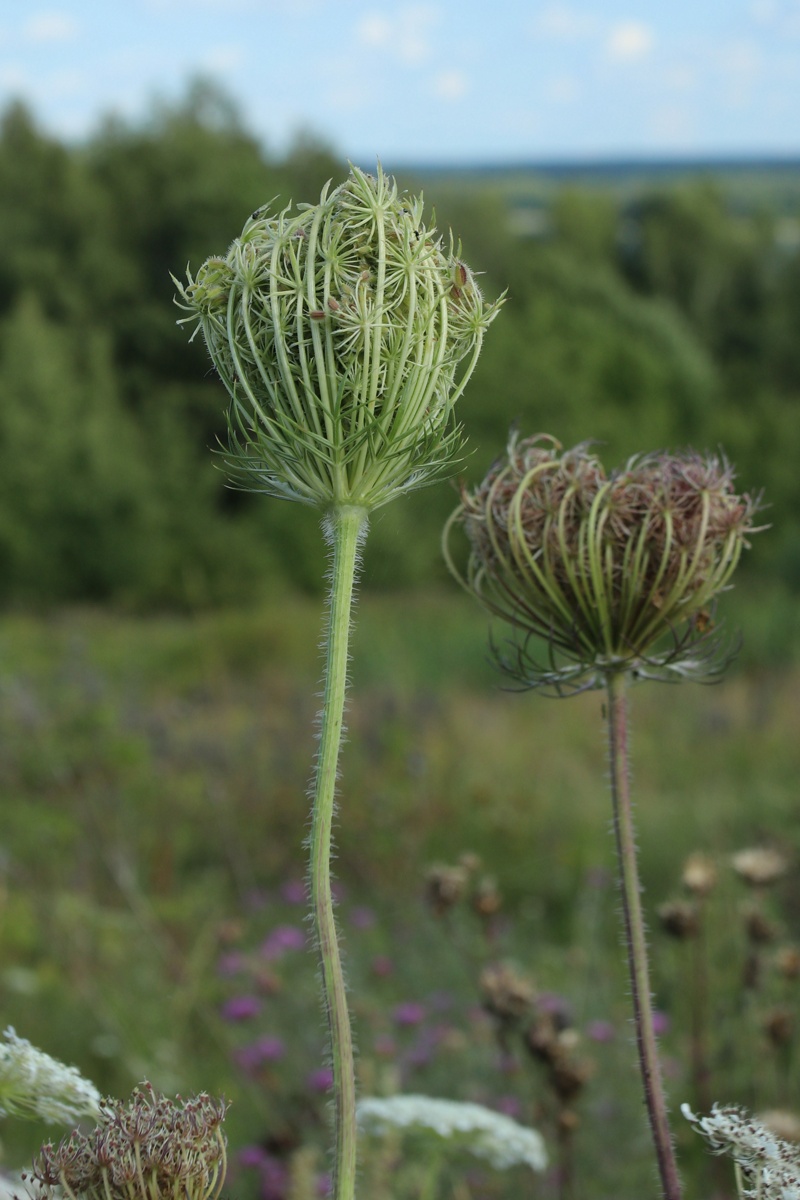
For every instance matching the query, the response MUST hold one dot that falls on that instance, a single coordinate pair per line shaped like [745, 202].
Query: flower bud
[616, 572]
[344, 332]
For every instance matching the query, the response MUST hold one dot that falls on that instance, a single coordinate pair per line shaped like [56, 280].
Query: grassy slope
[152, 776]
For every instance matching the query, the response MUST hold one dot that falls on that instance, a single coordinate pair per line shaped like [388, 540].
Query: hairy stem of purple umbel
[635, 936]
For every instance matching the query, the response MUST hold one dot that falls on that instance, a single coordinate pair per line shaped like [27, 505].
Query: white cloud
[562, 23]
[451, 85]
[224, 58]
[405, 35]
[63, 84]
[680, 78]
[741, 63]
[292, 8]
[374, 30]
[741, 59]
[673, 125]
[50, 26]
[12, 77]
[562, 89]
[630, 41]
[763, 11]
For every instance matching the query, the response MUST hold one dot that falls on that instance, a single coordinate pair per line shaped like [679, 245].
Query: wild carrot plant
[617, 575]
[344, 333]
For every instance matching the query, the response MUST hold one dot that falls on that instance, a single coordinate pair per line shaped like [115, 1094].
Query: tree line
[659, 321]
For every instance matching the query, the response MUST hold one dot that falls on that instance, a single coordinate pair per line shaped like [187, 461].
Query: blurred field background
[159, 663]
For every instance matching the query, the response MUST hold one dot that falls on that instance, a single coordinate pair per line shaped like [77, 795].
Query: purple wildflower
[294, 891]
[282, 938]
[240, 1008]
[320, 1080]
[558, 1007]
[230, 964]
[510, 1106]
[409, 1013]
[362, 918]
[600, 1031]
[382, 966]
[252, 1156]
[274, 1179]
[265, 1049]
[661, 1023]
[508, 1064]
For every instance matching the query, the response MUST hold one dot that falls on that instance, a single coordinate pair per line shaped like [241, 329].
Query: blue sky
[445, 80]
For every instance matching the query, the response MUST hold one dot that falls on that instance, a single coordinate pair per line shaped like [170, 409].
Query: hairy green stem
[635, 936]
[345, 527]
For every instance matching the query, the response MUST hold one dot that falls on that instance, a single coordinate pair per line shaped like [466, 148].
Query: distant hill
[749, 182]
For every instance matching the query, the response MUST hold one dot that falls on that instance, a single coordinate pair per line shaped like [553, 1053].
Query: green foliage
[74, 486]
[643, 318]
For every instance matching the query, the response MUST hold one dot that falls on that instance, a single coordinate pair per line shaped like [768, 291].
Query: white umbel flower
[32, 1084]
[767, 1167]
[485, 1133]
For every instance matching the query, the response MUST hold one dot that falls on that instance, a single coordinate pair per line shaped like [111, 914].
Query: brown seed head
[758, 927]
[608, 568]
[787, 962]
[699, 874]
[679, 919]
[487, 900]
[147, 1149]
[444, 887]
[779, 1025]
[760, 866]
[507, 994]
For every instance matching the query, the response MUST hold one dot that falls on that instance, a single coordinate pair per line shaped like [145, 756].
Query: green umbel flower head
[344, 332]
[616, 572]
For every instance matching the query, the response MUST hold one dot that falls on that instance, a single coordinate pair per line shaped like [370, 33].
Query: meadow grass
[143, 875]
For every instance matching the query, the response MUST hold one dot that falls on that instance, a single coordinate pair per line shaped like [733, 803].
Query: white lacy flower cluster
[485, 1133]
[768, 1168]
[32, 1084]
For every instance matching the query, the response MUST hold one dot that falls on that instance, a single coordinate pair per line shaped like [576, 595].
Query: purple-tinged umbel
[616, 573]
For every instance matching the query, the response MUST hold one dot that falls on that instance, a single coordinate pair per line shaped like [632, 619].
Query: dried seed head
[758, 927]
[149, 1149]
[568, 1077]
[344, 332]
[787, 962]
[760, 866]
[506, 994]
[486, 900]
[541, 1038]
[614, 571]
[679, 919]
[699, 874]
[779, 1025]
[444, 887]
[470, 861]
